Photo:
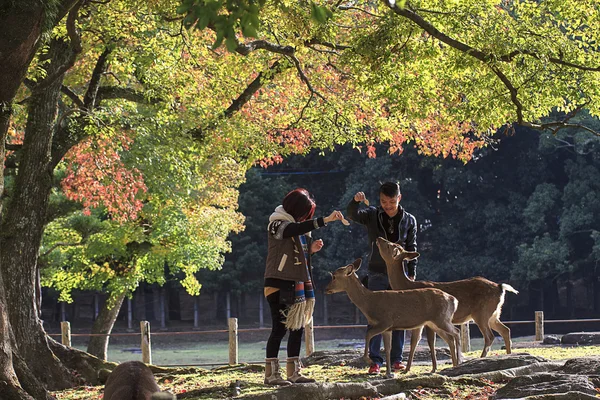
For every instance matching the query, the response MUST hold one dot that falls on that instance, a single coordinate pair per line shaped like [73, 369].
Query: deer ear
[396, 253]
[356, 264]
[411, 255]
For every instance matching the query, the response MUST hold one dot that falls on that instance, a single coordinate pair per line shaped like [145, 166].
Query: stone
[582, 366]
[545, 383]
[551, 340]
[487, 364]
[354, 358]
[581, 338]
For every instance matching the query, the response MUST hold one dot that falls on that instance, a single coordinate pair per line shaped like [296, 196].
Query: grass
[201, 384]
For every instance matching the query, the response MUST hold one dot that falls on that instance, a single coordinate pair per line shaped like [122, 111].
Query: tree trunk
[27, 365]
[22, 227]
[98, 345]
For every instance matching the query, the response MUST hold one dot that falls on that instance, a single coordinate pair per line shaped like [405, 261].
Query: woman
[288, 280]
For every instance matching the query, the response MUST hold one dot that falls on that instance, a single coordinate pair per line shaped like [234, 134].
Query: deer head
[340, 276]
[391, 252]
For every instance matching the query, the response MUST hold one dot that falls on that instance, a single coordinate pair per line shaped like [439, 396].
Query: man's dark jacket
[372, 218]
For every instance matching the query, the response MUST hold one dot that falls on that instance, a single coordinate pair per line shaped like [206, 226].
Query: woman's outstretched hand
[334, 216]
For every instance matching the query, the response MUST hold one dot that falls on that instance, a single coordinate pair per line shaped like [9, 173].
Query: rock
[545, 383]
[505, 375]
[353, 358]
[551, 340]
[487, 364]
[581, 338]
[562, 396]
[582, 366]
[321, 391]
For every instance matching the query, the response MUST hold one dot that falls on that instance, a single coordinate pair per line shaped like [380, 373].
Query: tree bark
[21, 230]
[27, 365]
[98, 345]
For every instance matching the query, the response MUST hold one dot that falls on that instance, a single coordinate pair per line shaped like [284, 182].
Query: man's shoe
[398, 366]
[374, 369]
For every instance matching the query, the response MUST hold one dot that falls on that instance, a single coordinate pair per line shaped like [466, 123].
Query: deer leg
[431, 342]
[415, 336]
[486, 331]
[387, 345]
[447, 334]
[504, 331]
[372, 330]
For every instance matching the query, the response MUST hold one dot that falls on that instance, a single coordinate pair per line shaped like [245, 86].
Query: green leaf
[231, 43]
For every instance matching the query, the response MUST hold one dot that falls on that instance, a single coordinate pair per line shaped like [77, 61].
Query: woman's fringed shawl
[300, 313]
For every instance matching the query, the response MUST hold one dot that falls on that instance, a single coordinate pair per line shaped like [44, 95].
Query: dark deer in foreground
[133, 380]
[479, 299]
[388, 310]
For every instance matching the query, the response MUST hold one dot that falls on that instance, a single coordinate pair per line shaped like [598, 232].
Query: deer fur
[388, 310]
[479, 299]
[133, 380]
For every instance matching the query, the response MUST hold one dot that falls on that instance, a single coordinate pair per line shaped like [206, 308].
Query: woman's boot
[272, 374]
[293, 367]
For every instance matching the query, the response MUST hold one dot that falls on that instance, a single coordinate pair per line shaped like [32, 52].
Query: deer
[388, 310]
[133, 380]
[479, 299]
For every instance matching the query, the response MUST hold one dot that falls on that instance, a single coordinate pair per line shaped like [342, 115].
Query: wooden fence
[234, 331]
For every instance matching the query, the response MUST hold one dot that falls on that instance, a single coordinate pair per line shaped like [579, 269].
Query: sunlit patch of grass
[549, 352]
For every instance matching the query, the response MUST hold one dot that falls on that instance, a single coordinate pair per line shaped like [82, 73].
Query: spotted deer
[479, 299]
[388, 310]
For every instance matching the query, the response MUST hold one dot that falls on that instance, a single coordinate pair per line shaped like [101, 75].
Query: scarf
[300, 313]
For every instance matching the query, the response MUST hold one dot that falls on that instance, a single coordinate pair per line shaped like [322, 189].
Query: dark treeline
[525, 210]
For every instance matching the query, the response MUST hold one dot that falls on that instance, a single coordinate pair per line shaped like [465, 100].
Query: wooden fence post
[539, 325]
[233, 341]
[146, 345]
[465, 337]
[309, 337]
[65, 330]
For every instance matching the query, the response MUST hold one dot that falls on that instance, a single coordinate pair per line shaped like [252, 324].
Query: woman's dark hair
[390, 189]
[299, 204]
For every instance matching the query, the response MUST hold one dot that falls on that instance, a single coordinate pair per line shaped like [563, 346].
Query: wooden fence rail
[309, 336]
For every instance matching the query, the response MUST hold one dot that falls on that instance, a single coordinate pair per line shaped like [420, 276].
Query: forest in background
[525, 210]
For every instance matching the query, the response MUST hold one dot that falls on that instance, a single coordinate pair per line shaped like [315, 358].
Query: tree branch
[304, 78]
[345, 8]
[59, 244]
[333, 46]
[254, 86]
[433, 31]
[510, 57]
[513, 92]
[91, 95]
[116, 92]
[72, 95]
[247, 48]
[13, 147]
[75, 48]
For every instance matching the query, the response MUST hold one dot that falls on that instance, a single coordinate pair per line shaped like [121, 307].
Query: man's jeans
[378, 281]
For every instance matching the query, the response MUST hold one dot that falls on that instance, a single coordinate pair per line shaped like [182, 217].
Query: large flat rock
[581, 338]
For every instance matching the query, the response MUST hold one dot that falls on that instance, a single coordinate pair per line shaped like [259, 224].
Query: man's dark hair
[390, 189]
[299, 204]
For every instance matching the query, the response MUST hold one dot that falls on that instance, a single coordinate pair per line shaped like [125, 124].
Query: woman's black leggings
[278, 330]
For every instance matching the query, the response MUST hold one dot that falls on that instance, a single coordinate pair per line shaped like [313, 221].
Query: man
[392, 222]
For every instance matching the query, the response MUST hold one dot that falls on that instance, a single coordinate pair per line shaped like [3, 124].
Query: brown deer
[388, 310]
[133, 380]
[479, 299]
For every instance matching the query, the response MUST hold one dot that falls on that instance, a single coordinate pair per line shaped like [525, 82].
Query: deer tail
[507, 288]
